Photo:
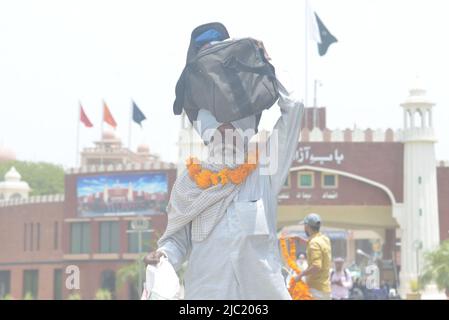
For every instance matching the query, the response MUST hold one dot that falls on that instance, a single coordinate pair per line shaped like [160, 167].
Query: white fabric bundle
[161, 282]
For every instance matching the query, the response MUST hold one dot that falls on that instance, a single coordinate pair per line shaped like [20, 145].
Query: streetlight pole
[139, 226]
[317, 83]
[418, 246]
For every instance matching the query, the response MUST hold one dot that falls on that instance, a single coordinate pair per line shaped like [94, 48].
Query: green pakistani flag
[326, 38]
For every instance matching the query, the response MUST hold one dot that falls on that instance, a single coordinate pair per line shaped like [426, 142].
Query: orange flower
[192, 160]
[297, 289]
[205, 178]
[223, 175]
[194, 169]
[236, 176]
[292, 244]
[214, 178]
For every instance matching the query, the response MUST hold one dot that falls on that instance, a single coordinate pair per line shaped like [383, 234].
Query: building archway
[359, 221]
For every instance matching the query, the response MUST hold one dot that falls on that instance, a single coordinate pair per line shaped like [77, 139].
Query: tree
[44, 178]
[130, 273]
[436, 268]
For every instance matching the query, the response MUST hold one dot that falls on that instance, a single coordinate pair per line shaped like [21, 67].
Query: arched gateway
[383, 181]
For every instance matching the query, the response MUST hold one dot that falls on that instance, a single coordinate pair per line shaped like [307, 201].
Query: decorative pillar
[420, 220]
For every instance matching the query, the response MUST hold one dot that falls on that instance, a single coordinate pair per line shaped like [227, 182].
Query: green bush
[74, 296]
[103, 294]
[436, 268]
[44, 178]
[28, 296]
[414, 286]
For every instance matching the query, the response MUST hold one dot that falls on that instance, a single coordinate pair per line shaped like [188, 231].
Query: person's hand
[284, 235]
[262, 47]
[153, 257]
[300, 239]
[298, 277]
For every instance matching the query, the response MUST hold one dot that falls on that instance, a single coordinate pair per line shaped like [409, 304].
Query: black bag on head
[230, 78]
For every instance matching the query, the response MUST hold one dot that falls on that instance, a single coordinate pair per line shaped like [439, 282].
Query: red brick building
[383, 181]
[40, 237]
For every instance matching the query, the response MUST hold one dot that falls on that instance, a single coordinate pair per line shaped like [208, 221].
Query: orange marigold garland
[297, 289]
[206, 178]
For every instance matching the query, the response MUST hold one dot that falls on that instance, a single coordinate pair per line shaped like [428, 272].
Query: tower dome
[12, 175]
[418, 114]
[417, 96]
[143, 148]
[13, 187]
[108, 135]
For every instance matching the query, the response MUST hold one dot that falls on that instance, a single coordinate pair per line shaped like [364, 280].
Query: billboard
[122, 194]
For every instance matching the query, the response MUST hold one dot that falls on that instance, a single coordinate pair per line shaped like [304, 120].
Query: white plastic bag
[161, 282]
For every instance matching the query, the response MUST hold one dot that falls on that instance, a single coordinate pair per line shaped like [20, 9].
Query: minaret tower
[420, 227]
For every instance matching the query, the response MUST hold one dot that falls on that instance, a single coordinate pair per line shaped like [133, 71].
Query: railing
[159, 165]
[33, 199]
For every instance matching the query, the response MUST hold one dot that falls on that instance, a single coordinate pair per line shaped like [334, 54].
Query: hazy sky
[54, 53]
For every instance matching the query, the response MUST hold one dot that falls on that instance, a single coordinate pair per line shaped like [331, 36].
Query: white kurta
[240, 258]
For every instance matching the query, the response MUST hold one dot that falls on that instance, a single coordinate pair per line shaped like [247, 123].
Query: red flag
[84, 119]
[107, 116]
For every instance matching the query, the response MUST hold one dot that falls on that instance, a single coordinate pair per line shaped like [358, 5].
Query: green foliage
[28, 296]
[437, 267]
[414, 286]
[130, 274]
[7, 297]
[74, 296]
[43, 178]
[103, 294]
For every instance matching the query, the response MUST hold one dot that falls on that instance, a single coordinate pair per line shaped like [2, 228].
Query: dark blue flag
[138, 115]
[326, 37]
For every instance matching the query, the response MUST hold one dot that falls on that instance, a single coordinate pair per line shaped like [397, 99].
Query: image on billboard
[122, 194]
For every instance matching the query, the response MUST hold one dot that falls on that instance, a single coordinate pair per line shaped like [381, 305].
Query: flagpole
[315, 103]
[130, 125]
[102, 126]
[102, 119]
[306, 58]
[78, 134]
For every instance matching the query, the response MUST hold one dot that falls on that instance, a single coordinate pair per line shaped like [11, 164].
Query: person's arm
[311, 270]
[347, 282]
[175, 247]
[300, 239]
[284, 140]
[315, 262]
